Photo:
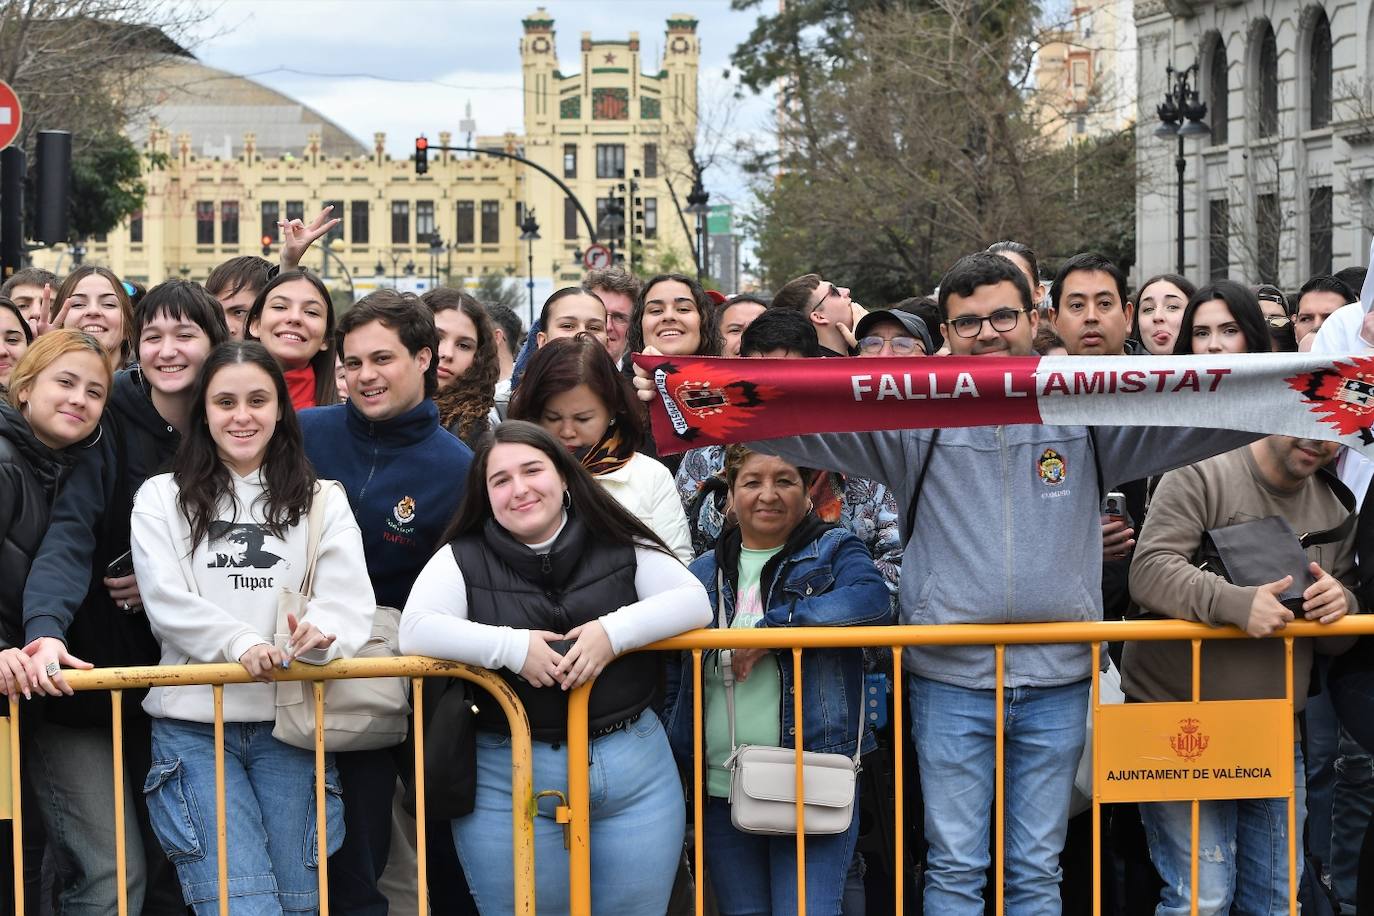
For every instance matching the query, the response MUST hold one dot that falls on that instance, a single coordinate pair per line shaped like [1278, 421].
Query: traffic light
[51, 222]
[267, 246]
[421, 155]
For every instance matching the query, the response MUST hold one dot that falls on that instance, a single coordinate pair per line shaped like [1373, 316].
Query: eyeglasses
[1277, 321]
[902, 346]
[1002, 320]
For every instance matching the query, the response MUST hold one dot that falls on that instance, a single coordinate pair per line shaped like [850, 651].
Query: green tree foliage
[106, 184]
[906, 140]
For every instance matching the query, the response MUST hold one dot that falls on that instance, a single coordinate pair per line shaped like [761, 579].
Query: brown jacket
[1225, 490]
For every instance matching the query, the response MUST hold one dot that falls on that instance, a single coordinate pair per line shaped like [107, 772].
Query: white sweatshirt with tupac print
[215, 602]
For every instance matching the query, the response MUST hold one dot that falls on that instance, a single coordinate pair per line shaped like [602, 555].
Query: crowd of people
[173, 459]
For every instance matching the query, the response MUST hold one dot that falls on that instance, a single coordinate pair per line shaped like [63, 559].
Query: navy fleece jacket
[404, 477]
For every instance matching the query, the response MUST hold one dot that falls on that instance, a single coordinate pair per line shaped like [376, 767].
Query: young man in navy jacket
[405, 476]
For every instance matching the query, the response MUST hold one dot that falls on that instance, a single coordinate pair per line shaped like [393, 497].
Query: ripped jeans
[1243, 853]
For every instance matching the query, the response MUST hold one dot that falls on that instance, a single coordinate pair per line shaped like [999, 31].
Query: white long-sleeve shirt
[668, 600]
[215, 602]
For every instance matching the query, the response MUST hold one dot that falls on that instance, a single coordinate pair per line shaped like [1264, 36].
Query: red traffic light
[267, 241]
[421, 143]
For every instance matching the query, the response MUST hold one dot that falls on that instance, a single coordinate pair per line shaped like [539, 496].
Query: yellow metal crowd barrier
[997, 638]
[117, 680]
[576, 812]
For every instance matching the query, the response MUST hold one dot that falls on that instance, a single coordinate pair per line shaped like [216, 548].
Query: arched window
[1319, 73]
[1218, 91]
[1268, 67]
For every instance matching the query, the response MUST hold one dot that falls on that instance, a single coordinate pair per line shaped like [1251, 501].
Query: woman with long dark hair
[214, 544]
[547, 580]
[573, 389]
[675, 316]
[1159, 306]
[1223, 317]
[293, 317]
[468, 363]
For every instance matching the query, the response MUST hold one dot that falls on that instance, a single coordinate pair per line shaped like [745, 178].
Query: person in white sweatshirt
[548, 580]
[573, 389]
[214, 543]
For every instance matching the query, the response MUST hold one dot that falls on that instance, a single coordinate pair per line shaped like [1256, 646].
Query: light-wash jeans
[1242, 853]
[71, 771]
[269, 816]
[637, 814]
[955, 735]
[755, 875]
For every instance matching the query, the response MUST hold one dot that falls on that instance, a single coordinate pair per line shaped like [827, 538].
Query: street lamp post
[436, 248]
[1181, 115]
[697, 204]
[395, 270]
[529, 233]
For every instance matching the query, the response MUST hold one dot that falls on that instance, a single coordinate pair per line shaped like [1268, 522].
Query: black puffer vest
[576, 582]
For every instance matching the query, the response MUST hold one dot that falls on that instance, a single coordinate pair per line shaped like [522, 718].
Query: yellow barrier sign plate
[1182, 751]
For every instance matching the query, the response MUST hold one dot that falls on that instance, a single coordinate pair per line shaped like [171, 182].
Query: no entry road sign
[11, 115]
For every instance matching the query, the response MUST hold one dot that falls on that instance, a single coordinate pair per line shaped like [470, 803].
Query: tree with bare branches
[906, 141]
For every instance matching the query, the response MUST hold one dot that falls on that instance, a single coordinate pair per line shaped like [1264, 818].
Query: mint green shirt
[757, 699]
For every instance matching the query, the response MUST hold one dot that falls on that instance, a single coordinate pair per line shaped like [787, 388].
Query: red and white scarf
[710, 401]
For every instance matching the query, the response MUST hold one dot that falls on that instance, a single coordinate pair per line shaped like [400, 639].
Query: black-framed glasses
[902, 346]
[1002, 320]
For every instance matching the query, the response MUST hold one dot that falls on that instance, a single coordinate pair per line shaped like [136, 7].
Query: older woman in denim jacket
[779, 567]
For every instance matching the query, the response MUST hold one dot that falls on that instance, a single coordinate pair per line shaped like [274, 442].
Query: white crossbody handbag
[763, 780]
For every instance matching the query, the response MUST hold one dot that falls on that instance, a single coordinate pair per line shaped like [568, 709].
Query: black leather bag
[450, 725]
[1267, 549]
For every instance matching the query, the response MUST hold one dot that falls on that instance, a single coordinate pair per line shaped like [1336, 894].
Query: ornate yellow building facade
[607, 131]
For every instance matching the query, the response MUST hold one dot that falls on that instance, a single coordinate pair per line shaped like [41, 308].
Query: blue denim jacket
[829, 582]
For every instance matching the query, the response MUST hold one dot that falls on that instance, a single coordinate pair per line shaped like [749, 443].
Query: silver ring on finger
[51, 669]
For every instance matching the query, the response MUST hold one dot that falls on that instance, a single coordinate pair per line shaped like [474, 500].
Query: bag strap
[1338, 532]
[314, 524]
[916, 493]
[727, 676]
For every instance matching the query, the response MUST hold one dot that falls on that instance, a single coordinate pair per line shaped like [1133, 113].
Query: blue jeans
[637, 814]
[1242, 858]
[955, 735]
[756, 875]
[269, 816]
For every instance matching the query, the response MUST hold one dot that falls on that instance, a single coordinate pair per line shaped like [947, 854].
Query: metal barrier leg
[417, 705]
[1000, 653]
[1293, 787]
[221, 833]
[799, 775]
[321, 814]
[699, 787]
[121, 854]
[579, 795]
[898, 792]
[1095, 702]
[16, 802]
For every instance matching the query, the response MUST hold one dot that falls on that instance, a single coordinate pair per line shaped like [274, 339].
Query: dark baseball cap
[913, 324]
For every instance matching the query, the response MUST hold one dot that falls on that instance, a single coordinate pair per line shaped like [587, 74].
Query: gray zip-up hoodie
[1007, 528]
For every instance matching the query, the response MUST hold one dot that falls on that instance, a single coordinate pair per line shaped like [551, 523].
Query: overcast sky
[408, 67]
